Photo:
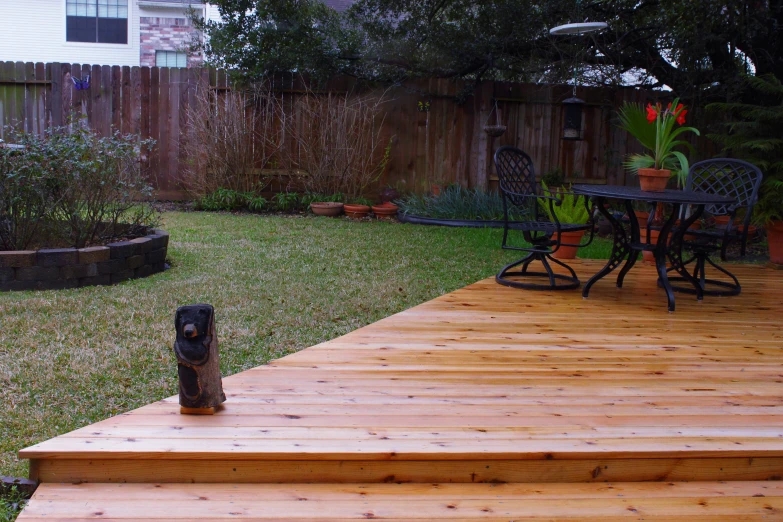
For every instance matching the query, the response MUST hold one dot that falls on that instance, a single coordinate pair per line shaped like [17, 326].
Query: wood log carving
[196, 348]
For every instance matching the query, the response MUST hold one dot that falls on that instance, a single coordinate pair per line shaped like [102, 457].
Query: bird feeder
[572, 129]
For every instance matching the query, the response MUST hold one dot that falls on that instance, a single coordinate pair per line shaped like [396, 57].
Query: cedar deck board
[466, 502]
[485, 374]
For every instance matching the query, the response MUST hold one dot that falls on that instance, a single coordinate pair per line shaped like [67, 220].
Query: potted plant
[571, 211]
[769, 212]
[385, 210]
[654, 127]
[357, 208]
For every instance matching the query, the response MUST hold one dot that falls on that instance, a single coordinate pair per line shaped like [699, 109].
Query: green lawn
[278, 284]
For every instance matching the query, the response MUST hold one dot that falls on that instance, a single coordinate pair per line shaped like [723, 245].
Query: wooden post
[196, 348]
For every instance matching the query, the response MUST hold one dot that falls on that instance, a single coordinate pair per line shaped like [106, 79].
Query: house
[106, 32]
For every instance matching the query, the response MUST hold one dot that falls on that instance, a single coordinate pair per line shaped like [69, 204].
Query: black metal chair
[726, 177]
[519, 190]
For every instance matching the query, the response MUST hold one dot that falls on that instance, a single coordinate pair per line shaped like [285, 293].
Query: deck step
[658, 501]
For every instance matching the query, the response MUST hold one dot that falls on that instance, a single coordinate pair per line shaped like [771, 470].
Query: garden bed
[58, 268]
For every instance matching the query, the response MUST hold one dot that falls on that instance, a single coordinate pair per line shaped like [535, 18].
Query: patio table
[627, 243]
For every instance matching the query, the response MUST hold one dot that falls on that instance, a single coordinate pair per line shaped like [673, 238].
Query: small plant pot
[752, 230]
[385, 210]
[642, 217]
[356, 211]
[721, 221]
[435, 189]
[775, 240]
[647, 256]
[572, 237]
[327, 208]
[654, 180]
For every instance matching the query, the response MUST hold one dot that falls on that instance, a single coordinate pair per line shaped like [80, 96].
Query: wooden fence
[435, 138]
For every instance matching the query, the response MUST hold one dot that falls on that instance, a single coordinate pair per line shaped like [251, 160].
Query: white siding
[34, 31]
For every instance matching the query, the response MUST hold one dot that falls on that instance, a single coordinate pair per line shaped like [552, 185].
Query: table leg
[620, 246]
[661, 251]
[632, 256]
[675, 254]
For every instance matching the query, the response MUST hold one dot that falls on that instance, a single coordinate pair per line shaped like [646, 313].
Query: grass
[279, 284]
[11, 503]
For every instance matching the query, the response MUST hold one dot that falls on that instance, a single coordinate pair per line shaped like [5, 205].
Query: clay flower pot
[572, 237]
[385, 210]
[721, 221]
[654, 180]
[642, 217]
[649, 257]
[435, 189]
[356, 211]
[327, 208]
[775, 240]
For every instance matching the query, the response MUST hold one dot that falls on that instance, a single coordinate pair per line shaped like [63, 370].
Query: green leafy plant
[571, 209]
[554, 177]
[654, 128]
[754, 133]
[456, 202]
[72, 188]
[361, 201]
[224, 199]
[286, 201]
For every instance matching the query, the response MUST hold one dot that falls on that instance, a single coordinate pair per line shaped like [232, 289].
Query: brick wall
[165, 34]
[59, 268]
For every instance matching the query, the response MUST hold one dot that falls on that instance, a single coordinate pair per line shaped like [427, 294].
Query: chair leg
[709, 286]
[555, 281]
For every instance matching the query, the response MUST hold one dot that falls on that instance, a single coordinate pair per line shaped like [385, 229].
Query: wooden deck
[482, 386]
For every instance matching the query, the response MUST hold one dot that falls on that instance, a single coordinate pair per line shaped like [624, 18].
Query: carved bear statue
[196, 348]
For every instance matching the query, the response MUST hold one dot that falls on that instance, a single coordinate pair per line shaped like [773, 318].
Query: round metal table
[627, 243]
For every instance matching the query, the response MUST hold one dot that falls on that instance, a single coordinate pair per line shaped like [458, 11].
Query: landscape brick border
[58, 268]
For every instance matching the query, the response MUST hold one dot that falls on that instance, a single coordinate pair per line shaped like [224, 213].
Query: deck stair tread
[651, 501]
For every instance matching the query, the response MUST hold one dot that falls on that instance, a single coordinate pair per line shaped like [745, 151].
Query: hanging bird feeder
[497, 130]
[572, 129]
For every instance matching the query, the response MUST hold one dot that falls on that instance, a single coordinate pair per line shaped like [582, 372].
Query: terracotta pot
[435, 189]
[356, 211]
[751, 230]
[775, 240]
[654, 180]
[721, 221]
[385, 210]
[327, 208]
[649, 257]
[569, 252]
[642, 217]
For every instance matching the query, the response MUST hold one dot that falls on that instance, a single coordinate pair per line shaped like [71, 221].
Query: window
[171, 59]
[98, 21]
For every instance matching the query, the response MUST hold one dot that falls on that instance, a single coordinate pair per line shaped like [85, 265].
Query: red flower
[652, 113]
[681, 116]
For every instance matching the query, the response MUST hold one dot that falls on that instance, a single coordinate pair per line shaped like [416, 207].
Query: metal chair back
[726, 177]
[517, 179]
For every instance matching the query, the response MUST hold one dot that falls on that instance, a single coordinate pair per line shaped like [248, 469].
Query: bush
[456, 202]
[72, 189]
[230, 137]
[230, 200]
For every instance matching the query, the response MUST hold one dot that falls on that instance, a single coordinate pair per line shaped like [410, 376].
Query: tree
[697, 48]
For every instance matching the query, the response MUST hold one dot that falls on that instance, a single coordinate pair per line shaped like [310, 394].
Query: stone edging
[57, 268]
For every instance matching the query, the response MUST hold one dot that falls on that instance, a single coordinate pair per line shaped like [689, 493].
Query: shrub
[230, 200]
[456, 202]
[338, 143]
[72, 189]
[230, 137]
[287, 201]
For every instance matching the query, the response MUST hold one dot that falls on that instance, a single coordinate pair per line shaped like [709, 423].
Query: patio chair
[726, 177]
[519, 190]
